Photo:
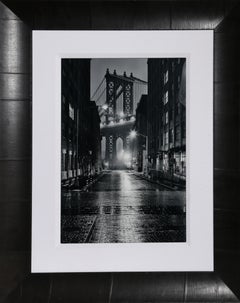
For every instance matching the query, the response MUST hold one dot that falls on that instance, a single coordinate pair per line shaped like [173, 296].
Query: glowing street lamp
[105, 106]
[133, 134]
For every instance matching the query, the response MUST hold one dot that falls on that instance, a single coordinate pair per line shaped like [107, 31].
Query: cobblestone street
[123, 207]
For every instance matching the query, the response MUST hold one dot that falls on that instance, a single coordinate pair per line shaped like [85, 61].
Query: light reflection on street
[123, 207]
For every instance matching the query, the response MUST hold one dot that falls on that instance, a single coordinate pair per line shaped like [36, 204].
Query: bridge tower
[117, 86]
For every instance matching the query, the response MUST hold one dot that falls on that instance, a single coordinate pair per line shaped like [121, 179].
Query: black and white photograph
[123, 150]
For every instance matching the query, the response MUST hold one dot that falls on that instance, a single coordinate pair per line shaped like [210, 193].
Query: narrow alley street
[121, 207]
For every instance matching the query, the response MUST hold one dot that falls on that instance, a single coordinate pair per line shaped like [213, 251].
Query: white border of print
[48, 254]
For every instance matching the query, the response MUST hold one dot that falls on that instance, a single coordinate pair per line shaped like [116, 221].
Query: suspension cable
[100, 95]
[98, 88]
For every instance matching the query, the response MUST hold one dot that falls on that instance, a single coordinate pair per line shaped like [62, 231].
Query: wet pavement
[123, 207]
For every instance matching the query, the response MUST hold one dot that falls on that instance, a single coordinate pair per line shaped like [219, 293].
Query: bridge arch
[119, 148]
[117, 115]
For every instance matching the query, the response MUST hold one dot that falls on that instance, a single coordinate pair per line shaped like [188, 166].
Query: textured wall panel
[6, 13]
[197, 15]
[207, 287]
[15, 227]
[148, 287]
[84, 287]
[14, 50]
[225, 56]
[227, 226]
[14, 266]
[15, 120]
[36, 288]
[15, 180]
[67, 17]
[226, 123]
[226, 190]
[151, 15]
[226, 150]
[14, 86]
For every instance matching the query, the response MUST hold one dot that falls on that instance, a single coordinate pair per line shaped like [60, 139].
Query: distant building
[141, 129]
[166, 117]
[95, 137]
[80, 124]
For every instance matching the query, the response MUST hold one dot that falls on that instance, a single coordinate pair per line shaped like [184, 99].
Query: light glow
[133, 134]
[105, 106]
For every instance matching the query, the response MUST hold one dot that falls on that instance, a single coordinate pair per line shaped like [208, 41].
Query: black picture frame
[17, 19]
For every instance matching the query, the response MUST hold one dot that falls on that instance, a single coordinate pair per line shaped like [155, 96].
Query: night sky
[98, 70]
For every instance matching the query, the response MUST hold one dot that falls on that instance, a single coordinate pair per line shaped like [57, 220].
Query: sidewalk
[163, 182]
[91, 181]
[83, 183]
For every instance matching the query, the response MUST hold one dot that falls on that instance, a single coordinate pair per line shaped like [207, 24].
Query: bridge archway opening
[103, 148]
[119, 106]
[119, 148]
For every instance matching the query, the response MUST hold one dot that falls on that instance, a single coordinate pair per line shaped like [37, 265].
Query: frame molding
[18, 285]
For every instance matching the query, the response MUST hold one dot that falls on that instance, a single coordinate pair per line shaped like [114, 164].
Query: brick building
[80, 124]
[166, 117]
[141, 129]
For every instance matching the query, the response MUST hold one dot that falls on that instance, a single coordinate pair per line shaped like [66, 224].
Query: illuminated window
[165, 77]
[165, 98]
[71, 112]
[166, 138]
[166, 117]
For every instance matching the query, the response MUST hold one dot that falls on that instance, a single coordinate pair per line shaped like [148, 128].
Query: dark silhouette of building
[80, 124]
[141, 129]
[94, 137]
[166, 118]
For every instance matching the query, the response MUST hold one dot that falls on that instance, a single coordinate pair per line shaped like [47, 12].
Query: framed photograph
[135, 186]
[121, 163]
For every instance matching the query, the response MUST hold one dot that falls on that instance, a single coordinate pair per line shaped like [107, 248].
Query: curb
[156, 182]
[91, 183]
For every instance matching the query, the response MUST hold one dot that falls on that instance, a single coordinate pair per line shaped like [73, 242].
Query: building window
[165, 78]
[184, 130]
[166, 138]
[179, 81]
[177, 134]
[162, 139]
[63, 159]
[165, 98]
[166, 117]
[178, 108]
[71, 112]
[69, 160]
[171, 136]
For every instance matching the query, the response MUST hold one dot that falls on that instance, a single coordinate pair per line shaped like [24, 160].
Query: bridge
[116, 97]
